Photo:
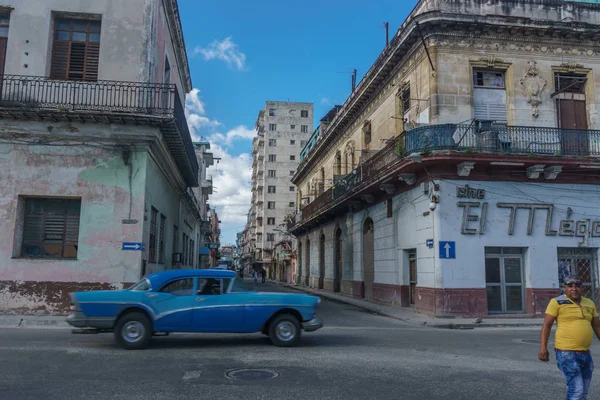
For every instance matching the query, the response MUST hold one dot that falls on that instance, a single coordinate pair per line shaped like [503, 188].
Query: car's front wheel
[285, 330]
[133, 331]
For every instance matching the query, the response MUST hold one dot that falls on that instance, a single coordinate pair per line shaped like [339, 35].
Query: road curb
[432, 323]
[24, 322]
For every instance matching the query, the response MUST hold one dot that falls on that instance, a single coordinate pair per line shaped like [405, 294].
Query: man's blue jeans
[577, 369]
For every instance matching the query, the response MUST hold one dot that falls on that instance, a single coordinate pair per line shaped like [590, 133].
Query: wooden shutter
[75, 50]
[2, 54]
[60, 59]
[92, 57]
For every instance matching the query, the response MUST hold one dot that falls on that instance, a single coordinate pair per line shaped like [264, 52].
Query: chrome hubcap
[285, 331]
[132, 331]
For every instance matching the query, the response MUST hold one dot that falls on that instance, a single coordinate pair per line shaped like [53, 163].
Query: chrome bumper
[312, 325]
[79, 320]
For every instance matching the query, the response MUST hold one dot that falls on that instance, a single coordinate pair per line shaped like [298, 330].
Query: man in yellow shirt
[576, 318]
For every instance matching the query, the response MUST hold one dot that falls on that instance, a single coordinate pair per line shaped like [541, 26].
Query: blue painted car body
[225, 306]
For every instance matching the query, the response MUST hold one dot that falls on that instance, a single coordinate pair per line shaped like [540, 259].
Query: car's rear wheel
[285, 330]
[133, 331]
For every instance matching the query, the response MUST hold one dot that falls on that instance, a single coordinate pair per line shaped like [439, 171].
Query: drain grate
[251, 374]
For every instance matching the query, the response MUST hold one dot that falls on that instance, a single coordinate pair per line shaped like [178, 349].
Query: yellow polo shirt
[573, 322]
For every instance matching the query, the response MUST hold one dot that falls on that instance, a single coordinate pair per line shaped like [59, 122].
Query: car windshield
[141, 285]
[239, 286]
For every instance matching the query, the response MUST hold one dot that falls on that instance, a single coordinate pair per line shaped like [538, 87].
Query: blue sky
[243, 53]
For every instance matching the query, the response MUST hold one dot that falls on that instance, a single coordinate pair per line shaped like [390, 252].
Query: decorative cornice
[172, 13]
[371, 86]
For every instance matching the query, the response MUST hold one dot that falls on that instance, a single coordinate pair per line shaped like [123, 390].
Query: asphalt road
[356, 356]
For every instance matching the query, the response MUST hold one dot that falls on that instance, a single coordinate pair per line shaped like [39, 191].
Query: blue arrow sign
[132, 246]
[429, 243]
[447, 249]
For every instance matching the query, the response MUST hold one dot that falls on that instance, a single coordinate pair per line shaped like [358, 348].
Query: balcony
[481, 137]
[111, 102]
[207, 186]
[457, 139]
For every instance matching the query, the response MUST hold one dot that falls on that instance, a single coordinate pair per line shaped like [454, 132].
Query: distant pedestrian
[263, 273]
[255, 275]
[576, 318]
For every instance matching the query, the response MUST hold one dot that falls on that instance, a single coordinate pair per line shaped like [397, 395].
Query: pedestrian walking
[255, 275]
[263, 274]
[576, 318]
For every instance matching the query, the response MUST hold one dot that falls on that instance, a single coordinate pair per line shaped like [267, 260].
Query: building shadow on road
[323, 340]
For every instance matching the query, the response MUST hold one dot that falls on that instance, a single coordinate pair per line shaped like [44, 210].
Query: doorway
[307, 282]
[412, 276]
[571, 110]
[368, 257]
[322, 261]
[337, 278]
[299, 264]
[580, 262]
[504, 279]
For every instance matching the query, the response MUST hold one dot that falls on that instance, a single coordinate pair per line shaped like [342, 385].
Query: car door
[215, 309]
[172, 305]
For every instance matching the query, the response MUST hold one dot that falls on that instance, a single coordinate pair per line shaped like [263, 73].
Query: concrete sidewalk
[412, 317]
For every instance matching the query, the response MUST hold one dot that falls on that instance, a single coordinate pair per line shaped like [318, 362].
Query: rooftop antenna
[386, 25]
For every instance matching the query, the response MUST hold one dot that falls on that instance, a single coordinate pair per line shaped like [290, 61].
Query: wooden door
[369, 257]
[307, 262]
[572, 115]
[412, 266]
[322, 262]
[337, 281]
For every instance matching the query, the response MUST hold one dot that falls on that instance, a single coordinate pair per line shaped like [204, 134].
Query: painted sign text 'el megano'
[566, 227]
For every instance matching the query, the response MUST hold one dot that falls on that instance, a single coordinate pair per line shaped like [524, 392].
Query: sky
[243, 53]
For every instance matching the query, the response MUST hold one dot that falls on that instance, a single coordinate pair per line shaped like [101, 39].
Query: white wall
[540, 259]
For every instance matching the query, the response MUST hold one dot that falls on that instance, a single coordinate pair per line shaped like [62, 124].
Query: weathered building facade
[283, 128]
[97, 160]
[461, 176]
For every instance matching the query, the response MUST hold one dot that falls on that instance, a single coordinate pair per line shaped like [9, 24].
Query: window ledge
[44, 259]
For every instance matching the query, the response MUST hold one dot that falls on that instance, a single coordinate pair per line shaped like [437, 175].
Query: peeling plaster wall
[31, 28]
[97, 174]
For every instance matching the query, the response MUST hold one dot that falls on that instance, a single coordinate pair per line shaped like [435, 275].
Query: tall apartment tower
[283, 128]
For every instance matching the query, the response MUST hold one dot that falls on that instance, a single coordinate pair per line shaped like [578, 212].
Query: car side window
[210, 286]
[179, 287]
[239, 286]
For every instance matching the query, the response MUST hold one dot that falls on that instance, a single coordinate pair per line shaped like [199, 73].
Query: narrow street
[356, 355]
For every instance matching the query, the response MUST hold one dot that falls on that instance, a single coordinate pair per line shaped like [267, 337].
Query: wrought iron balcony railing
[20, 91]
[503, 139]
[43, 98]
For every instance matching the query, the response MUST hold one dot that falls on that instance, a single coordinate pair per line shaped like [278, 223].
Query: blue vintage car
[193, 301]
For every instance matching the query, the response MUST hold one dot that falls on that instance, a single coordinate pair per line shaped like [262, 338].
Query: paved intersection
[356, 355]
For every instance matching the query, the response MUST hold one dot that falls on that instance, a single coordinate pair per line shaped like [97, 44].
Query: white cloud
[232, 175]
[225, 50]
[232, 190]
[239, 132]
[325, 101]
[195, 114]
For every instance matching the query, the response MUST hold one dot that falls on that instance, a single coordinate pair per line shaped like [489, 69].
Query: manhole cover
[251, 374]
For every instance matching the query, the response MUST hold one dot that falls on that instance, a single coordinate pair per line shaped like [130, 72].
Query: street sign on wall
[132, 246]
[447, 249]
